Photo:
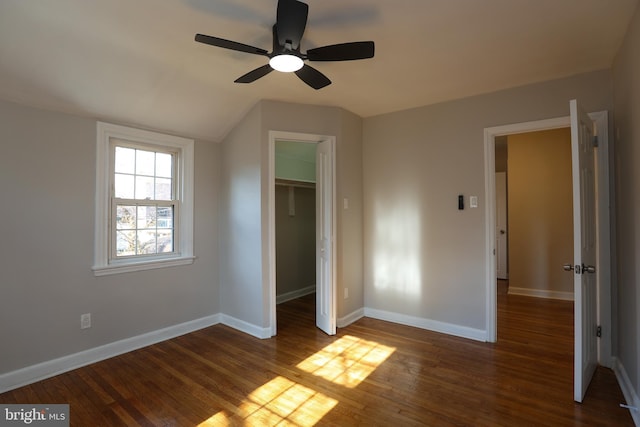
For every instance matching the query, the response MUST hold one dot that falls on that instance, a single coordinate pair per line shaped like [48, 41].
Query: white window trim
[102, 265]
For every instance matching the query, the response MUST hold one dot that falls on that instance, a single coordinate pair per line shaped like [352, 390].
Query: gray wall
[241, 283]
[47, 183]
[626, 71]
[423, 257]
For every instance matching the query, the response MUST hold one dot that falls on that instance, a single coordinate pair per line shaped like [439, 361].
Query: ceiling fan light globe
[286, 63]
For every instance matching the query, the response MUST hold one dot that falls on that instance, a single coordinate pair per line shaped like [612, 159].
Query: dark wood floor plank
[383, 374]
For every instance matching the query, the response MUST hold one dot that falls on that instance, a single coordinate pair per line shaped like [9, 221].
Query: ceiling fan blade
[291, 21]
[342, 52]
[254, 75]
[228, 44]
[313, 77]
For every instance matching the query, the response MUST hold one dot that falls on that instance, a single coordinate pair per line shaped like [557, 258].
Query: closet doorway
[301, 166]
[295, 209]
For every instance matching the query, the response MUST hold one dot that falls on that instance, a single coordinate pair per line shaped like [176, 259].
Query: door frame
[271, 214]
[603, 222]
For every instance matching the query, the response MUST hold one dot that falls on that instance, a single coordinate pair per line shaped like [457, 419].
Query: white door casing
[585, 250]
[501, 226]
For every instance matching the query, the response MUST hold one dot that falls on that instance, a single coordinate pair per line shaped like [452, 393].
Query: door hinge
[599, 331]
[595, 141]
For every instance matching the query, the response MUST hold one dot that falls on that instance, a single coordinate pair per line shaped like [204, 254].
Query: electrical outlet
[85, 321]
[346, 293]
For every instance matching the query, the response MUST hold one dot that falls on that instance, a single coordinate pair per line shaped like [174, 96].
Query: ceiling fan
[286, 55]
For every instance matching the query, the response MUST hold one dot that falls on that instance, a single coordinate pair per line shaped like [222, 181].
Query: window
[144, 201]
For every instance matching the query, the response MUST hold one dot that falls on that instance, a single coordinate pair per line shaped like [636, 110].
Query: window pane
[125, 160]
[146, 217]
[125, 217]
[165, 217]
[146, 242]
[163, 189]
[124, 186]
[145, 162]
[144, 187]
[164, 165]
[126, 243]
[165, 241]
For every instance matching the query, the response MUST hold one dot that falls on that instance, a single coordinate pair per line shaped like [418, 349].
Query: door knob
[567, 267]
[588, 269]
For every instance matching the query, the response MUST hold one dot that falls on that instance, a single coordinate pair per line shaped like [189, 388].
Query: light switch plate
[473, 201]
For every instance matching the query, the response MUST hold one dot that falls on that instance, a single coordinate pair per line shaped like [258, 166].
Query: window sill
[129, 267]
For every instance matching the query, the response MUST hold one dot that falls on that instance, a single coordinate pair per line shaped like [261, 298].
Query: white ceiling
[136, 62]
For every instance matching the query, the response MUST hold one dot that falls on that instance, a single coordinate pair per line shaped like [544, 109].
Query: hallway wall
[540, 205]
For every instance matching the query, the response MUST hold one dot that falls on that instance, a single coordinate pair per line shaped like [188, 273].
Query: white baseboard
[350, 318]
[541, 293]
[432, 325]
[295, 294]
[247, 328]
[48, 369]
[629, 393]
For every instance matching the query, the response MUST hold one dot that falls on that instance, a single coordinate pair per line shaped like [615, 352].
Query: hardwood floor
[371, 373]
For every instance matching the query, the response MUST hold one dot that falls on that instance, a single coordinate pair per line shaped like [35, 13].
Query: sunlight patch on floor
[279, 402]
[348, 361]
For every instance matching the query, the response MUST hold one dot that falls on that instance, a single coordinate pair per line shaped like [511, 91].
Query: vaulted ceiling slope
[136, 61]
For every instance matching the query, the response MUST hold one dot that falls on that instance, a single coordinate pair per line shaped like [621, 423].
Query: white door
[584, 236]
[501, 226]
[325, 282]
